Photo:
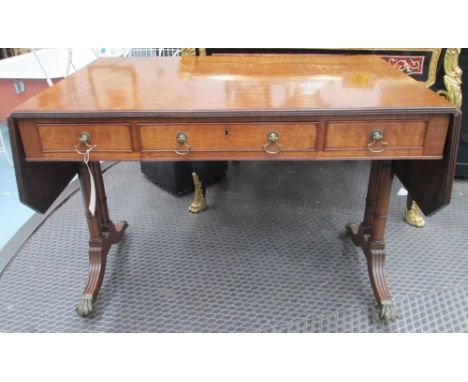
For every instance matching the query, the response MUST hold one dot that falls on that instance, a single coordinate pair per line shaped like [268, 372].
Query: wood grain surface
[234, 84]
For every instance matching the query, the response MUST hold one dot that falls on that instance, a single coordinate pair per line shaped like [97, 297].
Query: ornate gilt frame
[452, 77]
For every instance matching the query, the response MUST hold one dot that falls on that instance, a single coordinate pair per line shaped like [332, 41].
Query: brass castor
[86, 305]
[386, 312]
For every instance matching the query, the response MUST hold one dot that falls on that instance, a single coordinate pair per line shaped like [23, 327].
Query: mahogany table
[255, 107]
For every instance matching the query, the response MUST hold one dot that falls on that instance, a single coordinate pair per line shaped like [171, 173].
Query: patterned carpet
[266, 256]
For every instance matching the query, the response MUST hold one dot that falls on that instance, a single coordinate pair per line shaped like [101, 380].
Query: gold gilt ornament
[414, 216]
[452, 77]
[199, 199]
[189, 51]
[453, 93]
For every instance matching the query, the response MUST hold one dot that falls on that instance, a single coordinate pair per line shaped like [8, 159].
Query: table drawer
[255, 137]
[375, 136]
[64, 137]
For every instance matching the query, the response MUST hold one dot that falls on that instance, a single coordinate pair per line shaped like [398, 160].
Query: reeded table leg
[103, 233]
[369, 235]
[358, 231]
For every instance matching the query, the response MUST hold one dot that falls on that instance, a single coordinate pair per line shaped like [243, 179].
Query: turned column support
[369, 235]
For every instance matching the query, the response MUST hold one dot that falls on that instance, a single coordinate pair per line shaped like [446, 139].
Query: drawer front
[106, 137]
[229, 137]
[357, 135]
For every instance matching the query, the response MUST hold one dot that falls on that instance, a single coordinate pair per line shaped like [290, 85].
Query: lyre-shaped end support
[199, 197]
[414, 217]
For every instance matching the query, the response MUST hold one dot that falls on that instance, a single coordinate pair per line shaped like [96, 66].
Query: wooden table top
[234, 85]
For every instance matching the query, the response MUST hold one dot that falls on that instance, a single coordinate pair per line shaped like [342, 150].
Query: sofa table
[242, 108]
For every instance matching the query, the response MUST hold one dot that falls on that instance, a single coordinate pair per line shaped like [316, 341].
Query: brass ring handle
[182, 139]
[84, 139]
[376, 136]
[273, 139]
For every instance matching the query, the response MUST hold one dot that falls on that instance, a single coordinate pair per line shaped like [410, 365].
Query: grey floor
[13, 214]
[268, 255]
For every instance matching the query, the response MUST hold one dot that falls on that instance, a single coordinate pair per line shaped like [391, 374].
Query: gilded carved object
[199, 197]
[189, 51]
[193, 51]
[414, 217]
[452, 77]
[431, 78]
